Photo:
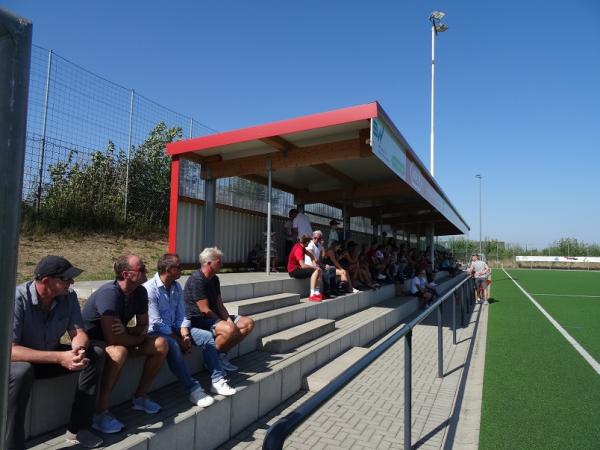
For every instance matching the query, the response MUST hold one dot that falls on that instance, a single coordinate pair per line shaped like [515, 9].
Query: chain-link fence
[95, 156]
[500, 253]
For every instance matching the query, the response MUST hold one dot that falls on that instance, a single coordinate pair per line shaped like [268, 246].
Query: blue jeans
[177, 363]
[206, 341]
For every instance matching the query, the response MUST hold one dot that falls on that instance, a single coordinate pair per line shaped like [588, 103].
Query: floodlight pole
[436, 26]
[480, 234]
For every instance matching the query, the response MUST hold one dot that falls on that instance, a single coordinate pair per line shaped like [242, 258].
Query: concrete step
[291, 338]
[263, 382]
[257, 305]
[320, 378]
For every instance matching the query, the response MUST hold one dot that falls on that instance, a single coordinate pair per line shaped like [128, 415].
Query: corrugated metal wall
[237, 233]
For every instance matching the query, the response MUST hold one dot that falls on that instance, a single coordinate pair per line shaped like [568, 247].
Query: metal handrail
[280, 430]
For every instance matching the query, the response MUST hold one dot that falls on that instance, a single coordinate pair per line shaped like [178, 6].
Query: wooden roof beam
[279, 143]
[298, 157]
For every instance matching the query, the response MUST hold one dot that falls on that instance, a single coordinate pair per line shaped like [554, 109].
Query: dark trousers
[20, 383]
[329, 279]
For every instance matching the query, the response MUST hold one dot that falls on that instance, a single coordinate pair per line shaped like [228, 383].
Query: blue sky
[517, 84]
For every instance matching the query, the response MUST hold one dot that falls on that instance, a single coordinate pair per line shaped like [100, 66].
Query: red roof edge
[313, 121]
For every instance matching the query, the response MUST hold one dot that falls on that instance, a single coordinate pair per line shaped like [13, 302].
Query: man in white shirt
[301, 224]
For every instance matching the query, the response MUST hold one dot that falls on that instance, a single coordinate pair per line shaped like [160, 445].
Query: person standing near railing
[480, 271]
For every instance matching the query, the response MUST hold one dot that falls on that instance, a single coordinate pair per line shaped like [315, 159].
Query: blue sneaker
[145, 404]
[105, 422]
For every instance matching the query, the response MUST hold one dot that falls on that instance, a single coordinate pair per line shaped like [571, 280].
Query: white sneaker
[200, 398]
[381, 276]
[355, 291]
[226, 364]
[222, 388]
[486, 303]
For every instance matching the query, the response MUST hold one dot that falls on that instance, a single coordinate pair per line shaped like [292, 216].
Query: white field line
[591, 361]
[569, 295]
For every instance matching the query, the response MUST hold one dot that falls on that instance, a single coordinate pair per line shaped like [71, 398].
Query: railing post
[408, 391]
[440, 343]
[463, 307]
[454, 298]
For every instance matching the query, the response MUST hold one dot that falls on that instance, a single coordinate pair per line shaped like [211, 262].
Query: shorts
[211, 324]
[481, 282]
[302, 273]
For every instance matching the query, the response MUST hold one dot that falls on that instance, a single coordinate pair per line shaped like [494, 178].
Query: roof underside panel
[328, 158]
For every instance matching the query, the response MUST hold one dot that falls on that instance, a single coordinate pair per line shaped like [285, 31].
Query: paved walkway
[368, 412]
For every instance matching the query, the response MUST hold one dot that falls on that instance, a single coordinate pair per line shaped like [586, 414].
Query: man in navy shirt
[45, 309]
[107, 314]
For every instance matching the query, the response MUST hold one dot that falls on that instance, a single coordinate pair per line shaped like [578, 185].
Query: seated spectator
[167, 319]
[314, 255]
[419, 288]
[204, 308]
[330, 260]
[349, 259]
[255, 256]
[45, 309]
[298, 268]
[107, 314]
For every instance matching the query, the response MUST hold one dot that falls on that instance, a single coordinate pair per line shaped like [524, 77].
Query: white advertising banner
[563, 259]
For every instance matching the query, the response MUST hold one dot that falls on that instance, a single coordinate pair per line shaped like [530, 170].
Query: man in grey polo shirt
[45, 309]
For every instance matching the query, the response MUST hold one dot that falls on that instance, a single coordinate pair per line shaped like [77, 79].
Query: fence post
[454, 299]
[128, 155]
[408, 391]
[440, 342]
[15, 54]
[44, 125]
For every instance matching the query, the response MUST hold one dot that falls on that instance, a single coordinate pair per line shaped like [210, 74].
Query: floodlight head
[437, 15]
[441, 28]
[478, 176]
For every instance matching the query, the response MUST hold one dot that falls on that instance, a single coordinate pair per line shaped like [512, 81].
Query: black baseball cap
[57, 267]
[333, 222]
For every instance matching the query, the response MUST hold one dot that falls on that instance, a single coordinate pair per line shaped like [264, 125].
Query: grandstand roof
[354, 156]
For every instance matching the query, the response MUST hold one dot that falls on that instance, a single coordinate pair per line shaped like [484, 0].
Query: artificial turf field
[539, 392]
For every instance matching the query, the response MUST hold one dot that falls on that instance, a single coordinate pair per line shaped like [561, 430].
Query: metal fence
[75, 115]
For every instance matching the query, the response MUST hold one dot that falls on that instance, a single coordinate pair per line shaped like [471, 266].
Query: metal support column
[431, 242]
[269, 198]
[408, 391]
[210, 210]
[440, 343]
[15, 54]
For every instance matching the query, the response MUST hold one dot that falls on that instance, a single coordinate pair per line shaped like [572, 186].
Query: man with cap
[46, 308]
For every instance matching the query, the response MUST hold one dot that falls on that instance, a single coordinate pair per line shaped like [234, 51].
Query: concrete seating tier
[265, 379]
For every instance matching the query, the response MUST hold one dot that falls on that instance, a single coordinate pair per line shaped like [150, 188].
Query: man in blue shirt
[107, 314]
[45, 309]
[167, 319]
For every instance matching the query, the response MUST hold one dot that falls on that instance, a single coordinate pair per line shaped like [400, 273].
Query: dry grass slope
[94, 253]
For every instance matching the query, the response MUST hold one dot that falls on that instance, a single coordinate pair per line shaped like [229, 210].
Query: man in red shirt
[297, 268]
